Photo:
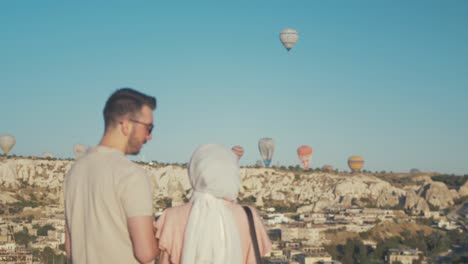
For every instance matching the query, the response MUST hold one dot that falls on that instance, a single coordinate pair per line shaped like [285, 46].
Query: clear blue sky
[387, 80]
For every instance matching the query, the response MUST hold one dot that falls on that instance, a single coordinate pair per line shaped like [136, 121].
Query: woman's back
[171, 231]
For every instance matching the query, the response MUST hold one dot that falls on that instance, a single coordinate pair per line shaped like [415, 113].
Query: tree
[297, 176]
[42, 231]
[363, 253]
[437, 243]
[62, 247]
[365, 235]
[384, 245]
[249, 200]
[458, 238]
[461, 259]
[47, 255]
[30, 218]
[23, 238]
[418, 241]
[348, 252]
[354, 251]
[406, 233]
[333, 251]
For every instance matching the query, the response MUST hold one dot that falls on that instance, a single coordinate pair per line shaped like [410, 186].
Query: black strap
[253, 234]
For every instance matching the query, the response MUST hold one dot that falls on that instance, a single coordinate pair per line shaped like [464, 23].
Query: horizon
[296, 167]
[383, 80]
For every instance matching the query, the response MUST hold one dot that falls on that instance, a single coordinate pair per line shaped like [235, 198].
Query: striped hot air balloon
[239, 151]
[304, 153]
[266, 146]
[288, 38]
[355, 163]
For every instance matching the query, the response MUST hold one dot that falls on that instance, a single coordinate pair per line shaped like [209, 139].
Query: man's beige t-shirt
[103, 189]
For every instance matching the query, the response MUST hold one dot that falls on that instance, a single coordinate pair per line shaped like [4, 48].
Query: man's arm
[144, 243]
[67, 241]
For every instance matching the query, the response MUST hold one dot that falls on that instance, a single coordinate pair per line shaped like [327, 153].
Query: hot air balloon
[289, 38]
[239, 151]
[304, 153]
[79, 150]
[355, 163]
[327, 168]
[6, 143]
[266, 147]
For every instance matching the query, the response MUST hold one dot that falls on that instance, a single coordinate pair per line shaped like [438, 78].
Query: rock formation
[309, 192]
[463, 190]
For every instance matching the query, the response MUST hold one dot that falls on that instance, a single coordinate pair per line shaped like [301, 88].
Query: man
[108, 198]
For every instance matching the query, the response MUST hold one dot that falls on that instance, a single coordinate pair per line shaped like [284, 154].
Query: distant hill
[26, 180]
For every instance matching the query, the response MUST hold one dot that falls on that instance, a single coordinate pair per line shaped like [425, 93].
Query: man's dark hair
[126, 102]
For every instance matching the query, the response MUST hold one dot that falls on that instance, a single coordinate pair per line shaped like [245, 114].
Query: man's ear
[125, 128]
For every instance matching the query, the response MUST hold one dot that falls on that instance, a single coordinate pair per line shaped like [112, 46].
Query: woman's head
[214, 169]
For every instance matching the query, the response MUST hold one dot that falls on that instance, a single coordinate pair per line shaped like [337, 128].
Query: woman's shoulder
[242, 207]
[240, 213]
[172, 220]
[178, 211]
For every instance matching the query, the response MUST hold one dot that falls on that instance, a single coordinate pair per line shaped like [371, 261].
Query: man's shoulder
[112, 162]
[126, 170]
[128, 167]
[113, 159]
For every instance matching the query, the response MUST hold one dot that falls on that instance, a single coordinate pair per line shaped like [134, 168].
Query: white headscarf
[212, 235]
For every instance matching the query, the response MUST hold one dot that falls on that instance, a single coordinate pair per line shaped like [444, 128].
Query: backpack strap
[253, 234]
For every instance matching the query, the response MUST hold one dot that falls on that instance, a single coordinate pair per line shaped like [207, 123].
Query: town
[362, 217]
[297, 238]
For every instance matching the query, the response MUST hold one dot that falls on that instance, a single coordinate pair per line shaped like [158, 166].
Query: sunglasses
[148, 126]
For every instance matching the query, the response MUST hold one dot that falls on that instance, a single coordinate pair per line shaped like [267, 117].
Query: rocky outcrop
[414, 203]
[388, 199]
[463, 190]
[438, 195]
[309, 192]
[7, 197]
[8, 175]
[169, 181]
[40, 173]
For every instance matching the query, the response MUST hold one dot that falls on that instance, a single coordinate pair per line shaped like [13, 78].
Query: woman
[212, 227]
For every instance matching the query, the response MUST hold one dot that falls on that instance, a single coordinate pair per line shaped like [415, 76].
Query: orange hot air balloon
[355, 163]
[304, 153]
[327, 168]
[239, 151]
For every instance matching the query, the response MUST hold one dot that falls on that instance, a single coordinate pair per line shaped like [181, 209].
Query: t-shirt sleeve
[159, 225]
[136, 195]
[169, 237]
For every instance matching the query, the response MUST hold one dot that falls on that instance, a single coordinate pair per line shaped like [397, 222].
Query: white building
[432, 214]
[447, 224]
[275, 219]
[8, 247]
[358, 228]
[313, 255]
[403, 256]
[310, 235]
[316, 218]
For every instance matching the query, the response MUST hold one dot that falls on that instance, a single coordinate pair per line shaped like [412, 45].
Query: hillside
[39, 181]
